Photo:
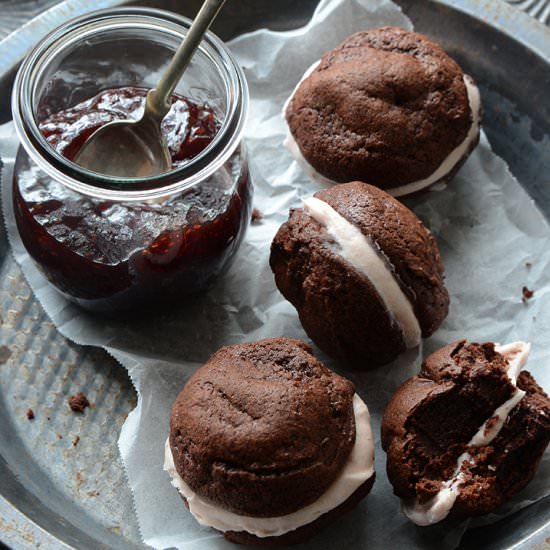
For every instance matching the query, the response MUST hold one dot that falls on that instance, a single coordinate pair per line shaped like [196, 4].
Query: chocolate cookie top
[344, 297]
[262, 429]
[466, 427]
[386, 106]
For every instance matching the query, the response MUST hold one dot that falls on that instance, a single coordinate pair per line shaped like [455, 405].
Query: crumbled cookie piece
[78, 402]
[256, 215]
[527, 294]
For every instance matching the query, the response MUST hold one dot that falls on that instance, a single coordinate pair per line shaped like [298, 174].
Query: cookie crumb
[30, 414]
[256, 215]
[526, 294]
[76, 441]
[78, 402]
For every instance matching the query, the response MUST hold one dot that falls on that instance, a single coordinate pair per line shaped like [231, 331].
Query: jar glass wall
[120, 245]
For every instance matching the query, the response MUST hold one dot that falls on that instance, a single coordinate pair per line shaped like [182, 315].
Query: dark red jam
[115, 257]
[188, 127]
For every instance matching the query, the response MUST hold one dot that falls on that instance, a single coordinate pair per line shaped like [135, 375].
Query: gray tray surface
[56, 493]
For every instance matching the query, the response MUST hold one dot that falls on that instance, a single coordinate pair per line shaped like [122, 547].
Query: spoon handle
[158, 100]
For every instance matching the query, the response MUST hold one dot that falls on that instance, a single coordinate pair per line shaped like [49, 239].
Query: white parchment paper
[487, 228]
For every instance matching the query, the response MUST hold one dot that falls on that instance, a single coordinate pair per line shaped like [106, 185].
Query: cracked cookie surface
[263, 428]
[387, 106]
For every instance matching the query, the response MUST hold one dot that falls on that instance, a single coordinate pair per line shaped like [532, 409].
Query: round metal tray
[57, 492]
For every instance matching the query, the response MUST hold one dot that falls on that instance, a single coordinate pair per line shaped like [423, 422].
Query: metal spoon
[136, 148]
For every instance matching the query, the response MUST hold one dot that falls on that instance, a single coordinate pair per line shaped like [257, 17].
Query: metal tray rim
[512, 22]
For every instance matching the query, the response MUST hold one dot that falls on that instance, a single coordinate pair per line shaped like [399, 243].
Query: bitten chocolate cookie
[467, 433]
[363, 272]
[388, 107]
[266, 444]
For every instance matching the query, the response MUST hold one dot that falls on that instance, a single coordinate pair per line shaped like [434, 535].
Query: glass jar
[116, 245]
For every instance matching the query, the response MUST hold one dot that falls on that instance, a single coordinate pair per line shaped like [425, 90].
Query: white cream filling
[358, 469]
[356, 249]
[438, 507]
[444, 168]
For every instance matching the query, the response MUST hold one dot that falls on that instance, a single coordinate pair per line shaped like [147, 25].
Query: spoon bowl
[126, 148]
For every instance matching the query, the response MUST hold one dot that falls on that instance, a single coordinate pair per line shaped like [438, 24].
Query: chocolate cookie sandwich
[467, 433]
[363, 272]
[388, 107]
[267, 445]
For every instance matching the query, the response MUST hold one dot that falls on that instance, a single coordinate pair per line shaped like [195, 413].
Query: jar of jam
[117, 245]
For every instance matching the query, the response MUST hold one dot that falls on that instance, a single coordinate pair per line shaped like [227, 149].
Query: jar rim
[103, 186]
